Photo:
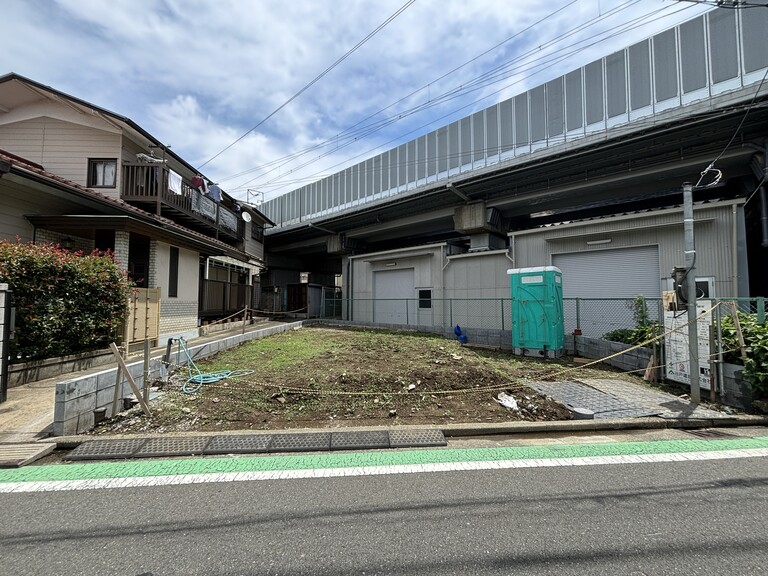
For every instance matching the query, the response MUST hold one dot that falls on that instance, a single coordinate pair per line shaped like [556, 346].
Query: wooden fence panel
[143, 321]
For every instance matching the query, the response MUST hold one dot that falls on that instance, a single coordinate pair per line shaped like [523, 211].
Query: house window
[425, 298]
[257, 231]
[102, 173]
[173, 273]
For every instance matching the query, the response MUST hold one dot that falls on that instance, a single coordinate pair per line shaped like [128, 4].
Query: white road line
[93, 484]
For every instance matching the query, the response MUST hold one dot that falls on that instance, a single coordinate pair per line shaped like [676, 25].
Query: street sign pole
[690, 288]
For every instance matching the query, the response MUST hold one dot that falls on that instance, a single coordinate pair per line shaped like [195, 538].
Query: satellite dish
[246, 216]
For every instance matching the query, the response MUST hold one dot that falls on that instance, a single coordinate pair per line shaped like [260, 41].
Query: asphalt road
[701, 517]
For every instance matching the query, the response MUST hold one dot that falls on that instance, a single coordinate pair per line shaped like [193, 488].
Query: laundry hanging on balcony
[174, 182]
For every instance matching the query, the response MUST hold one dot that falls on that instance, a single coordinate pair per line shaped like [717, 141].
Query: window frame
[92, 173]
[173, 272]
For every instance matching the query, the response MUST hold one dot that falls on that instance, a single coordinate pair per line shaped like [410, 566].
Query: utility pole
[690, 288]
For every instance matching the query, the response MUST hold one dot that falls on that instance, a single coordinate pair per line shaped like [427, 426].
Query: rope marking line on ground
[211, 378]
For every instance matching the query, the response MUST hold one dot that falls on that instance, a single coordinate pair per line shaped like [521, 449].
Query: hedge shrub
[756, 347]
[66, 302]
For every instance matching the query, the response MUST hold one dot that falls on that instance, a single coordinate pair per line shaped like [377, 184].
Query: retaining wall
[78, 399]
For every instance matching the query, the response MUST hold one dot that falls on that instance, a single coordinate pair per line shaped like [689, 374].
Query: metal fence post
[578, 313]
[761, 310]
[450, 311]
[501, 302]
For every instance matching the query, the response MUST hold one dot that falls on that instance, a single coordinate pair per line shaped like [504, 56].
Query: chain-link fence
[488, 313]
[593, 317]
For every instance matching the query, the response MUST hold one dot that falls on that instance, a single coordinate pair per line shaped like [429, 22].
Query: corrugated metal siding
[714, 241]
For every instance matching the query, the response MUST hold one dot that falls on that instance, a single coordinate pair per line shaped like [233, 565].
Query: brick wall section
[153, 271]
[48, 237]
[177, 316]
[122, 244]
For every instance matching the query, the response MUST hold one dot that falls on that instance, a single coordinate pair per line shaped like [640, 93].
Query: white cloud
[199, 74]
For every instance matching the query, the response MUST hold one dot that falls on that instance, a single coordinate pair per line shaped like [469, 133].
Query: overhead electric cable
[402, 9]
[412, 93]
[453, 93]
[547, 62]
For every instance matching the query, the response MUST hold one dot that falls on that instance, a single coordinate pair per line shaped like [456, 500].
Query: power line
[350, 132]
[317, 78]
[545, 62]
[711, 167]
[451, 94]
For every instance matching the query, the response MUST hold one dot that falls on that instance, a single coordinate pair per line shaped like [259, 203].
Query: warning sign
[676, 344]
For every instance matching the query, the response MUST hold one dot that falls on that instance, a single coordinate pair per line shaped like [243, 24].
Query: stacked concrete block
[78, 400]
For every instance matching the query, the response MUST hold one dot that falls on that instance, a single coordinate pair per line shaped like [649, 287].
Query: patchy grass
[321, 377]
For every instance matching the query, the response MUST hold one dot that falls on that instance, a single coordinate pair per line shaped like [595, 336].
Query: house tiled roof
[32, 168]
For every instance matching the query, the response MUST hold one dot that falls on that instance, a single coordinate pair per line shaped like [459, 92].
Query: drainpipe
[735, 251]
[764, 215]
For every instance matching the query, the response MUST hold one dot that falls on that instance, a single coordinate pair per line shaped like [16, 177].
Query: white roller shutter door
[618, 273]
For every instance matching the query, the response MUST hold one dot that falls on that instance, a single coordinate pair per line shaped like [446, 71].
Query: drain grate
[172, 447]
[246, 444]
[106, 449]
[359, 440]
[300, 442]
[416, 438]
[709, 433]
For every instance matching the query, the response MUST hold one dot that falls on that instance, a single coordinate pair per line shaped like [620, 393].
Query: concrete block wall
[737, 390]
[595, 349]
[479, 336]
[77, 399]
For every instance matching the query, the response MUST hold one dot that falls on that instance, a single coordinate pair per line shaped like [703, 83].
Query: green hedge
[756, 347]
[66, 302]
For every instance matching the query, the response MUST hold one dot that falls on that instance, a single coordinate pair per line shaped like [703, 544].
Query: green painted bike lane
[373, 459]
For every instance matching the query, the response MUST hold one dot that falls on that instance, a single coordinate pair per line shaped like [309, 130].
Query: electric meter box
[537, 311]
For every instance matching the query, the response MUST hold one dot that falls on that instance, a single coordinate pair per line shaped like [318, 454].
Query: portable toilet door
[537, 311]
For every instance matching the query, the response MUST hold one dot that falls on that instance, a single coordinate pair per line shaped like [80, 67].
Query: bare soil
[330, 378]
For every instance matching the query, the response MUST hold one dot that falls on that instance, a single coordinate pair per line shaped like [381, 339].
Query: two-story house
[86, 178]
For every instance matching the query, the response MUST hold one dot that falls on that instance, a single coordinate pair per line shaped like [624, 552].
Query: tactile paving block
[300, 442]
[172, 447]
[416, 438]
[357, 440]
[239, 444]
[106, 449]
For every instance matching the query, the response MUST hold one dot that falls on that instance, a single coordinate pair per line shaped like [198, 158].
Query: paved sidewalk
[610, 398]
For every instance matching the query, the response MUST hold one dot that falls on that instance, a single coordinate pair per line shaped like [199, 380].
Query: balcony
[146, 186]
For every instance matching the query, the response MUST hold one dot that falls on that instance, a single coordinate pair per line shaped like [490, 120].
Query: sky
[269, 95]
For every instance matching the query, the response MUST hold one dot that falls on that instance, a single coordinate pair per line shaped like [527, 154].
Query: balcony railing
[148, 184]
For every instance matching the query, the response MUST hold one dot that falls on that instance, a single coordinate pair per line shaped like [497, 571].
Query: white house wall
[714, 231]
[178, 315]
[62, 148]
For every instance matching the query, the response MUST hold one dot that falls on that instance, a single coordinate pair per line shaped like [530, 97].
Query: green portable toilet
[537, 311]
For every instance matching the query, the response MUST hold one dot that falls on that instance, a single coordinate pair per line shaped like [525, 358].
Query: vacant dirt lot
[325, 378]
